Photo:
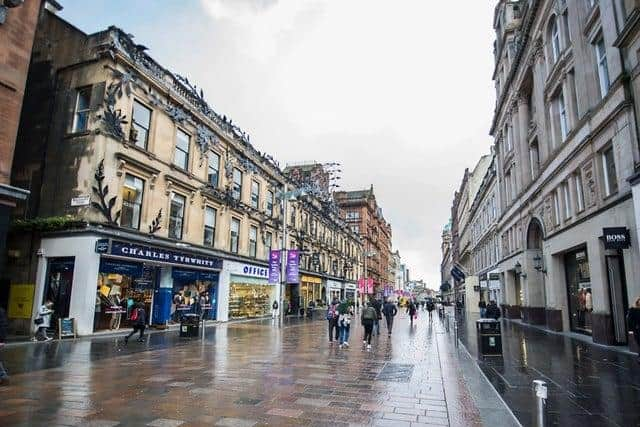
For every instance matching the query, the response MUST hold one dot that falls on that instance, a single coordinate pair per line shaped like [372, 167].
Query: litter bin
[189, 326]
[489, 337]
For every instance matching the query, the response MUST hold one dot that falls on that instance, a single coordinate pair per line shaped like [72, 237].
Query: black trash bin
[190, 326]
[489, 337]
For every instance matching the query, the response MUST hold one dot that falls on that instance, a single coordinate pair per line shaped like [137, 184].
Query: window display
[120, 286]
[248, 300]
[194, 292]
[579, 290]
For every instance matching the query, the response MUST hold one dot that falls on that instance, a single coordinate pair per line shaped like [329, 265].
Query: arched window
[554, 32]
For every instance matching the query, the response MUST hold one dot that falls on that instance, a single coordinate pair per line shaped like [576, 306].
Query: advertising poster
[274, 267]
[20, 301]
[293, 268]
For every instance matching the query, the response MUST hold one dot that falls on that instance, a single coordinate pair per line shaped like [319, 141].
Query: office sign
[616, 238]
[274, 267]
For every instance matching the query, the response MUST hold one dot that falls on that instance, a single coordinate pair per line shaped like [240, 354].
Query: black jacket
[493, 311]
[4, 325]
[389, 309]
[377, 305]
[142, 317]
[633, 317]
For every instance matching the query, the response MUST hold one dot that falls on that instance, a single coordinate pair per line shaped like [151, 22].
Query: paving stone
[165, 422]
[235, 422]
[399, 417]
[291, 413]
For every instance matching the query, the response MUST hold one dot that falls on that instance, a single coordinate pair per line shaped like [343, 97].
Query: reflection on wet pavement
[243, 374]
[589, 385]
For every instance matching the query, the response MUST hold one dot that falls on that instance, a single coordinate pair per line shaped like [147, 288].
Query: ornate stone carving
[589, 184]
[156, 223]
[103, 205]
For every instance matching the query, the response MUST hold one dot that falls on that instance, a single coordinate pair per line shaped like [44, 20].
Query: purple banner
[274, 267]
[293, 267]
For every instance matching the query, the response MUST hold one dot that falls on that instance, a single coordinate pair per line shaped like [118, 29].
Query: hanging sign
[274, 267]
[616, 238]
[293, 266]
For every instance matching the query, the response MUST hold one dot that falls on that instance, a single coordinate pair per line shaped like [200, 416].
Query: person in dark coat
[412, 310]
[4, 327]
[140, 322]
[633, 317]
[493, 311]
[377, 306]
[389, 310]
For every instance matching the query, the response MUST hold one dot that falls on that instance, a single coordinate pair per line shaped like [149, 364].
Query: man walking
[332, 318]
[377, 306]
[367, 318]
[482, 305]
[4, 326]
[389, 310]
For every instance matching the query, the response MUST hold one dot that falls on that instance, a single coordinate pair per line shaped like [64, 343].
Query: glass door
[579, 290]
[58, 286]
[618, 297]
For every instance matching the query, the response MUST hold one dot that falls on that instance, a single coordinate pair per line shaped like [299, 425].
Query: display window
[248, 299]
[579, 290]
[194, 292]
[122, 285]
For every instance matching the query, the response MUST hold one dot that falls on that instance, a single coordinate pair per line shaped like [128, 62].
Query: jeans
[344, 333]
[483, 312]
[135, 329]
[389, 323]
[376, 327]
[333, 326]
[368, 331]
[41, 333]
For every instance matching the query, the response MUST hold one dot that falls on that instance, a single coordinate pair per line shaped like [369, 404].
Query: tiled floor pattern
[251, 375]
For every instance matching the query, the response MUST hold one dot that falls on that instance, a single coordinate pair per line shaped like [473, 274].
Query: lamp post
[367, 254]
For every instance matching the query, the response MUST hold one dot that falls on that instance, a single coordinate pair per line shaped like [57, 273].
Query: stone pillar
[524, 162]
[534, 292]
[539, 76]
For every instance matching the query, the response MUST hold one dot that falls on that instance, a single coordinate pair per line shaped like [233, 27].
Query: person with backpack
[4, 327]
[368, 317]
[377, 306]
[332, 318]
[274, 309]
[389, 310]
[345, 311]
[493, 311]
[139, 319]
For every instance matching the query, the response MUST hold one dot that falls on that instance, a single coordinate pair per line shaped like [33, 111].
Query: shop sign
[293, 266]
[332, 284]
[274, 267]
[185, 275]
[312, 279]
[83, 200]
[102, 246]
[116, 266]
[350, 286]
[133, 250]
[494, 284]
[20, 301]
[250, 270]
[616, 238]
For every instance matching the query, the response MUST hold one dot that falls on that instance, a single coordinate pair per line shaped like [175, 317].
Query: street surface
[249, 374]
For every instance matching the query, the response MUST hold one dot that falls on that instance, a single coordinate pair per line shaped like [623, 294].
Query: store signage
[332, 284]
[117, 266]
[312, 279]
[458, 274]
[365, 286]
[102, 246]
[616, 238]
[20, 301]
[274, 267]
[83, 200]
[242, 269]
[350, 286]
[293, 266]
[133, 250]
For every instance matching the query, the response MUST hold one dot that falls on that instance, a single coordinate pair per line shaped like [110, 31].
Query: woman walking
[633, 317]
[368, 317]
[344, 323]
[139, 317]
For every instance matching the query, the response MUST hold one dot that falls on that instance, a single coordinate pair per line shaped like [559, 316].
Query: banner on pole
[293, 267]
[274, 267]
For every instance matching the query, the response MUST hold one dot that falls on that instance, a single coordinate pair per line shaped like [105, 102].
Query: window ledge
[71, 135]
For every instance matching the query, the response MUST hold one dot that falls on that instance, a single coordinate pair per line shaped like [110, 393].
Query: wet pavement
[588, 384]
[250, 374]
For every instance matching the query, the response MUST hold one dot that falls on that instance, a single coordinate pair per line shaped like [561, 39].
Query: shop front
[334, 290]
[310, 290]
[250, 293]
[194, 292]
[350, 291]
[579, 293]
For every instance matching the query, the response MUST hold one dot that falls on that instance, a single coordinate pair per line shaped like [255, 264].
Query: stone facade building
[362, 213]
[17, 29]
[142, 193]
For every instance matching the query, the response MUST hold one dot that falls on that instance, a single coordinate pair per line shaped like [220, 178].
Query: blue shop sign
[149, 253]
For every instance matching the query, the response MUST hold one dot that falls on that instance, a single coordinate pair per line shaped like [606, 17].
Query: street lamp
[367, 254]
[538, 264]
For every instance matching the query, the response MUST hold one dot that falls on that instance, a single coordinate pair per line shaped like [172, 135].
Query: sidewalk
[589, 385]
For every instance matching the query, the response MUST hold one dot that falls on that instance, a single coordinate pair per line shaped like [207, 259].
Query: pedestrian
[358, 306]
[4, 326]
[633, 318]
[345, 311]
[412, 310]
[274, 309]
[482, 305]
[430, 307]
[139, 319]
[285, 307]
[377, 305]
[332, 318]
[43, 321]
[389, 310]
[367, 318]
[493, 311]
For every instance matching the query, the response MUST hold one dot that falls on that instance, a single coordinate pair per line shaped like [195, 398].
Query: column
[524, 162]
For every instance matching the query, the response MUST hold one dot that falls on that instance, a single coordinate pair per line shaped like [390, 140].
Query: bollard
[447, 322]
[455, 331]
[540, 395]
[203, 329]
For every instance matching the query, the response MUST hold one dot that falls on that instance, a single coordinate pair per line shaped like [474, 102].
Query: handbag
[38, 320]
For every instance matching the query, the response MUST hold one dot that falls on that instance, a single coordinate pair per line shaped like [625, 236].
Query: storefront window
[250, 299]
[121, 285]
[58, 287]
[132, 192]
[194, 292]
[311, 290]
[579, 290]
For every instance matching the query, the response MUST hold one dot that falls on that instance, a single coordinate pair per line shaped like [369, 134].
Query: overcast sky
[399, 92]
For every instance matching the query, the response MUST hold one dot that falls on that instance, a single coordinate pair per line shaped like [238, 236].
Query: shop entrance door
[58, 286]
[617, 296]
